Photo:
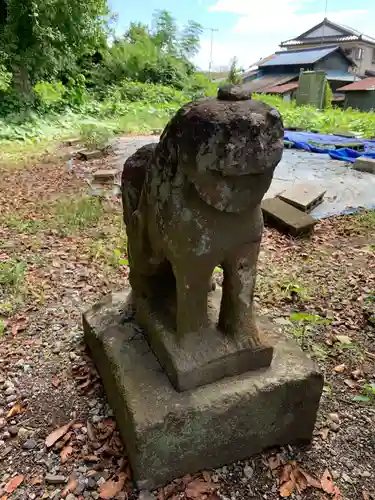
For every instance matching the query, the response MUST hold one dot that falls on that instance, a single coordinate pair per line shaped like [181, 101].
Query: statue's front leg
[236, 313]
[192, 295]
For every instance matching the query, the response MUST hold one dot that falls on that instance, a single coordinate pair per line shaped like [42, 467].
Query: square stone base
[168, 433]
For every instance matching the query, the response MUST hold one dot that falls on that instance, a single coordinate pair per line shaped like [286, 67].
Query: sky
[248, 29]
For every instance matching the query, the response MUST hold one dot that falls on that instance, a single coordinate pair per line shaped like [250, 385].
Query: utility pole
[212, 30]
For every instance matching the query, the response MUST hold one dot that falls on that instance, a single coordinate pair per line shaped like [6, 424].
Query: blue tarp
[310, 141]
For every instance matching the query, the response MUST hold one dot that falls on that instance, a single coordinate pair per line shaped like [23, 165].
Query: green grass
[72, 215]
[21, 225]
[12, 275]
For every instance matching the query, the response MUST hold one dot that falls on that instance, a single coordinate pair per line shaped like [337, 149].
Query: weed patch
[72, 215]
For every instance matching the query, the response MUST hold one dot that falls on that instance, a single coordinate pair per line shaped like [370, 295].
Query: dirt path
[60, 252]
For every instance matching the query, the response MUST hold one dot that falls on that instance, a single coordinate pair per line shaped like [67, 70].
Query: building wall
[363, 64]
[324, 31]
[333, 62]
[364, 100]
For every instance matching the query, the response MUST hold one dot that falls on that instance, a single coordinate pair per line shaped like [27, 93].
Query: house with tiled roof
[357, 45]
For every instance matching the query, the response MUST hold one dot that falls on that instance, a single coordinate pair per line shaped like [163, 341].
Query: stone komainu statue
[192, 202]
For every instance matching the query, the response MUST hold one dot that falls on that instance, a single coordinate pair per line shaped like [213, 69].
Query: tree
[45, 38]
[234, 72]
[190, 39]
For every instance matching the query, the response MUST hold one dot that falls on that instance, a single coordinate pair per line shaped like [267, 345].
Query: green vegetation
[72, 215]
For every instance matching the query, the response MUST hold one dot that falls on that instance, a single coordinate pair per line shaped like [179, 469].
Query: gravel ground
[58, 438]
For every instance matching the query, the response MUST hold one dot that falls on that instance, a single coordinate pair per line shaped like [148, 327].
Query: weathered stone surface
[305, 197]
[287, 218]
[169, 434]
[192, 202]
[233, 93]
[218, 355]
[365, 164]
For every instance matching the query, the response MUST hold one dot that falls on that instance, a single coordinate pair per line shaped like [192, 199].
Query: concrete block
[168, 433]
[364, 164]
[85, 154]
[286, 218]
[305, 197]
[106, 176]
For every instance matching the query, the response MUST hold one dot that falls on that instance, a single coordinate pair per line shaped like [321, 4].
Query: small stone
[146, 495]
[29, 444]
[334, 417]
[335, 474]
[366, 473]
[101, 481]
[56, 348]
[91, 483]
[81, 486]
[3, 423]
[11, 398]
[55, 479]
[96, 419]
[346, 478]
[13, 430]
[55, 495]
[6, 435]
[334, 427]
[248, 472]
[95, 495]
[70, 496]
[23, 433]
[73, 356]
[9, 390]
[8, 384]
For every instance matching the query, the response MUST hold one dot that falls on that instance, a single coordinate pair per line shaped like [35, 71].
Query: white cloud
[261, 26]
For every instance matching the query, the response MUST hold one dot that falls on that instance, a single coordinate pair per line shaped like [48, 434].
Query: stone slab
[305, 197]
[286, 218]
[364, 164]
[217, 357]
[168, 433]
[109, 175]
[85, 154]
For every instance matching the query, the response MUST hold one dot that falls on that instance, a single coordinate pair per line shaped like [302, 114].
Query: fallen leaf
[77, 426]
[366, 495]
[14, 483]
[91, 458]
[339, 368]
[4, 497]
[311, 481]
[350, 383]
[337, 494]
[90, 431]
[36, 480]
[195, 489]
[287, 488]
[274, 461]
[343, 339]
[65, 453]
[57, 434]
[16, 410]
[112, 487]
[300, 480]
[55, 381]
[285, 473]
[19, 326]
[327, 482]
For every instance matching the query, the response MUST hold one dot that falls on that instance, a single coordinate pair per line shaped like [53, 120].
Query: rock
[100, 481]
[11, 398]
[333, 426]
[29, 444]
[146, 495]
[248, 472]
[13, 430]
[81, 486]
[70, 496]
[9, 390]
[91, 483]
[6, 435]
[73, 356]
[55, 495]
[233, 93]
[334, 417]
[3, 423]
[55, 479]
[23, 433]
[366, 473]
[8, 384]
[345, 477]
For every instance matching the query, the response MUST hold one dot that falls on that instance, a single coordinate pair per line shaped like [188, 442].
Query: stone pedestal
[168, 433]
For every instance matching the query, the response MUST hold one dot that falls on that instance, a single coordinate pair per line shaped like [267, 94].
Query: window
[358, 53]
[373, 56]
